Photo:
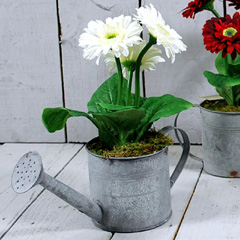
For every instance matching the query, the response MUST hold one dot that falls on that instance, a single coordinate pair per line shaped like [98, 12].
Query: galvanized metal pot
[221, 142]
[127, 195]
[134, 192]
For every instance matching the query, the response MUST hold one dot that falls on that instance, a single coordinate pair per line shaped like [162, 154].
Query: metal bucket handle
[179, 140]
[185, 152]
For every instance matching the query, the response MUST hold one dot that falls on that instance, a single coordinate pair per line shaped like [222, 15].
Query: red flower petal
[223, 34]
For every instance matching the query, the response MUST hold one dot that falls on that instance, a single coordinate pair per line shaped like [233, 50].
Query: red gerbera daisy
[223, 34]
[235, 3]
[194, 7]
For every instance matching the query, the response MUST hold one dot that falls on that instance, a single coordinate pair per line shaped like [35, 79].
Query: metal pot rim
[217, 112]
[123, 158]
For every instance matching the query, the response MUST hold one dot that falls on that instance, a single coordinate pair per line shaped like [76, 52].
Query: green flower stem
[129, 89]
[216, 14]
[120, 81]
[210, 7]
[151, 42]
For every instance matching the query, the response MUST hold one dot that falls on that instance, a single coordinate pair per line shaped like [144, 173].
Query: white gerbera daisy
[152, 57]
[164, 35]
[114, 36]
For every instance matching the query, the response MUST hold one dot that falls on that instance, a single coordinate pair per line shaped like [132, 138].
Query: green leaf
[227, 94]
[107, 94]
[219, 80]
[119, 128]
[164, 106]
[222, 65]
[227, 66]
[55, 118]
[158, 107]
[234, 66]
[112, 107]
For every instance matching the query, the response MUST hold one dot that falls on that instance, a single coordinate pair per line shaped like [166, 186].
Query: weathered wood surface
[48, 217]
[54, 156]
[29, 69]
[214, 212]
[30, 65]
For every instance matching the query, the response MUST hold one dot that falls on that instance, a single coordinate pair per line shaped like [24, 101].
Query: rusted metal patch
[234, 174]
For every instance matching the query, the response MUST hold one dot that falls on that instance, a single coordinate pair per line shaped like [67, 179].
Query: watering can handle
[179, 140]
[185, 152]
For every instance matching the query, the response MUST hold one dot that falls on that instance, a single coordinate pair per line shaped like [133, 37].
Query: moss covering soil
[220, 106]
[152, 142]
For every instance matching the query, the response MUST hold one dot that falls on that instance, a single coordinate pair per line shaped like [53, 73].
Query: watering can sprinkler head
[29, 172]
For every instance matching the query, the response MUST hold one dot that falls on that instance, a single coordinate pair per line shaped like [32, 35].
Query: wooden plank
[181, 193]
[50, 216]
[29, 69]
[81, 76]
[214, 211]
[54, 156]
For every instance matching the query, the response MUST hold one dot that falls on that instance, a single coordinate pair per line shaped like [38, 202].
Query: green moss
[153, 141]
[220, 106]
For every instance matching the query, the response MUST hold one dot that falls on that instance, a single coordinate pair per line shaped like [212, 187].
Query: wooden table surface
[204, 207]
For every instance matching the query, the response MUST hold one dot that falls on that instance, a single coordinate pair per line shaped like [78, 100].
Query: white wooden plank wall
[30, 65]
[29, 69]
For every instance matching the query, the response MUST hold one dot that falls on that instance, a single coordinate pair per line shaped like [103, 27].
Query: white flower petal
[165, 36]
[149, 60]
[115, 35]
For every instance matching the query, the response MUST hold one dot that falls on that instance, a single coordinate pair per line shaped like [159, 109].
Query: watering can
[126, 194]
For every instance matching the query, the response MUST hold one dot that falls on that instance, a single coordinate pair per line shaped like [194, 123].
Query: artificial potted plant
[221, 116]
[135, 189]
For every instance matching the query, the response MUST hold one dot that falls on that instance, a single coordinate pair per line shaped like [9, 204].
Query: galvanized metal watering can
[127, 194]
[220, 142]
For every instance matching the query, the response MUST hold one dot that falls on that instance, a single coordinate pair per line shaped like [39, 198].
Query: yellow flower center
[229, 32]
[111, 35]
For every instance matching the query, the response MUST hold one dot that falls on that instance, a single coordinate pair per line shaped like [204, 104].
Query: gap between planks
[40, 193]
[186, 208]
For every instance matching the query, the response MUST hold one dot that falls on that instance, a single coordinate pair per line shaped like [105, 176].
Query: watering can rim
[165, 149]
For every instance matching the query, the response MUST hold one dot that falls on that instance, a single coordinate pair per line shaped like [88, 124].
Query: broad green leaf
[234, 70]
[227, 94]
[164, 106]
[107, 94]
[236, 93]
[112, 107]
[227, 66]
[230, 94]
[219, 80]
[234, 67]
[158, 107]
[118, 128]
[221, 65]
[55, 118]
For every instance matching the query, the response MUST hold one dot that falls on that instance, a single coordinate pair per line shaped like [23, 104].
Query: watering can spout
[29, 172]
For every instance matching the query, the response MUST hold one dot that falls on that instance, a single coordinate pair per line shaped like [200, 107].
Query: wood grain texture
[29, 69]
[214, 212]
[81, 76]
[50, 217]
[54, 156]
